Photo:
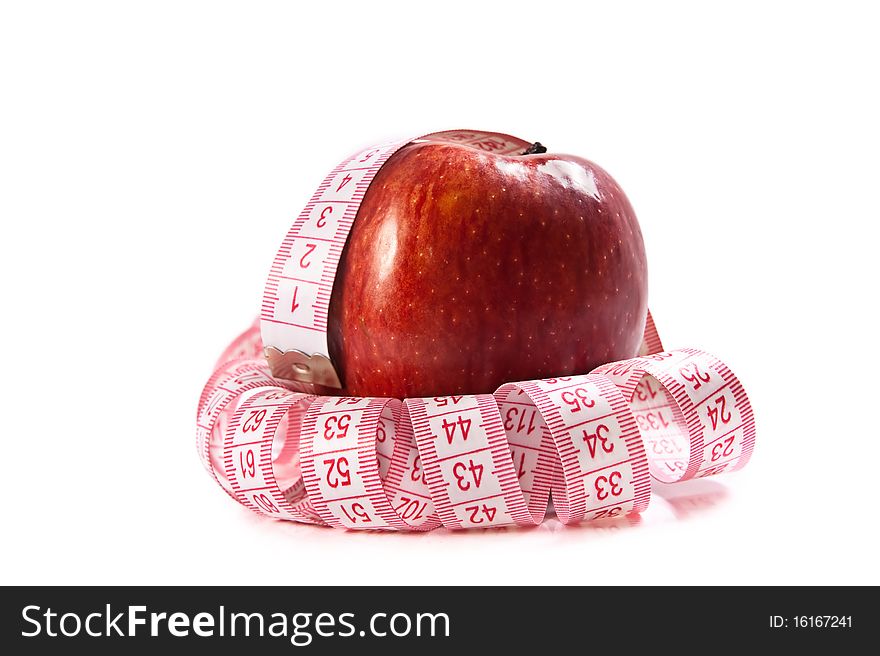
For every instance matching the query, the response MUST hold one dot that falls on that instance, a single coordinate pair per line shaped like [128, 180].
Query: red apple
[466, 269]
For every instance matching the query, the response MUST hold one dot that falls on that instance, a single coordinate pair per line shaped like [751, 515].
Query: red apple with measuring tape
[466, 269]
[443, 267]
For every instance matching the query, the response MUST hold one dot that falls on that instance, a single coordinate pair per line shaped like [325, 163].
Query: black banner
[433, 620]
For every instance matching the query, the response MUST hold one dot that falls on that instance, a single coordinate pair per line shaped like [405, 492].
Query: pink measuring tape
[593, 441]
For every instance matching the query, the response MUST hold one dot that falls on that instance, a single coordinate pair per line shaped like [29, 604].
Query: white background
[152, 155]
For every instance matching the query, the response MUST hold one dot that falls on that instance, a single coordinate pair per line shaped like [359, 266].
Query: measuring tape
[592, 441]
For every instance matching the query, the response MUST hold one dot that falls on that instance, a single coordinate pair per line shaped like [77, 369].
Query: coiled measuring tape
[592, 441]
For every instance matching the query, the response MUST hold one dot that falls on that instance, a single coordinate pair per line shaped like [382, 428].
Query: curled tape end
[300, 367]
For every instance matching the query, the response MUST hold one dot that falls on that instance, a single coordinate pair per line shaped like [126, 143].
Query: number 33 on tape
[590, 442]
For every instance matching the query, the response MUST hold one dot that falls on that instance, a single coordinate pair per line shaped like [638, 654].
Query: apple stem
[535, 149]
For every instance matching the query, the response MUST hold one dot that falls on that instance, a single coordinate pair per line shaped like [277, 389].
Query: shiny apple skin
[465, 270]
